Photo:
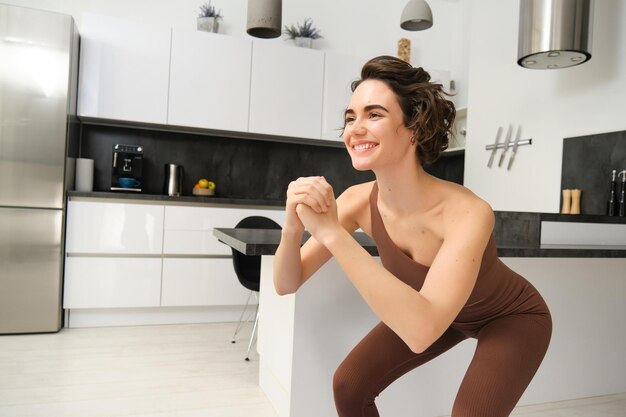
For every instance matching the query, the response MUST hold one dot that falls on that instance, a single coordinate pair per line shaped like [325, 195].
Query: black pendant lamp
[265, 18]
[554, 33]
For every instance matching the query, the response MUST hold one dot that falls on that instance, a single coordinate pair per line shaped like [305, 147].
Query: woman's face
[374, 132]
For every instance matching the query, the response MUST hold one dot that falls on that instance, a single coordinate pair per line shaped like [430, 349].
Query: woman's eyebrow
[366, 108]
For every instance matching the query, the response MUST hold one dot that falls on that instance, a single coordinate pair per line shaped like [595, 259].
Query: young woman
[440, 281]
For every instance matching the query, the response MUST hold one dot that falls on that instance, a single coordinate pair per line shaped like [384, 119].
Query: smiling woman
[423, 108]
[440, 281]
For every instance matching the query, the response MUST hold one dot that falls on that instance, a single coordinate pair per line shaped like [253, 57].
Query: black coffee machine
[127, 167]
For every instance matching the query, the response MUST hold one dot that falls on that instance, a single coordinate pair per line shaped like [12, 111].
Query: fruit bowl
[203, 191]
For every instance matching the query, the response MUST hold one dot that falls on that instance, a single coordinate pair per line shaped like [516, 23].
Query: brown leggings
[508, 353]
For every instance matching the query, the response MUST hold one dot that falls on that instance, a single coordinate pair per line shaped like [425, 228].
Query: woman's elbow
[418, 342]
[417, 347]
[282, 289]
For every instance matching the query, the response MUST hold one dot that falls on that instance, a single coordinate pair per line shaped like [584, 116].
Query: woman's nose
[357, 127]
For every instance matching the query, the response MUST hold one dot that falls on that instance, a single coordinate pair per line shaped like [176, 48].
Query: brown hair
[426, 110]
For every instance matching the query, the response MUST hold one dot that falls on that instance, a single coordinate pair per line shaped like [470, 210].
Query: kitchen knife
[495, 147]
[506, 144]
[515, 145]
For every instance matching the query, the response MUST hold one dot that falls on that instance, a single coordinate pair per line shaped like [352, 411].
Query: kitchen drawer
[189, 230]
[207, 218]
[193, 242]
[112, 282]
[118, 228]
[201, 282]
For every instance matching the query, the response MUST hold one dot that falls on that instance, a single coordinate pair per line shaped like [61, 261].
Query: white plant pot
[208, 24]
[304, 42]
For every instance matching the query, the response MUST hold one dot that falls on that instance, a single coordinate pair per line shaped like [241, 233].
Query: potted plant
[208, 18]
[303, 34]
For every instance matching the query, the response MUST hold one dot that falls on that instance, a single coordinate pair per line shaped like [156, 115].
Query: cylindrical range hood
[554, 33]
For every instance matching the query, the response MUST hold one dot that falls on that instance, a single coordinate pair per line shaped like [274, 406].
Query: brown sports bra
[498, 291]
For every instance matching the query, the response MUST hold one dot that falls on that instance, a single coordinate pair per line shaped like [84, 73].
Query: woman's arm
[294, 265]
[418, 318]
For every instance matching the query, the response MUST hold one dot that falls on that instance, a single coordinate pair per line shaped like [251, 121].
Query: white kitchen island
[304, 337]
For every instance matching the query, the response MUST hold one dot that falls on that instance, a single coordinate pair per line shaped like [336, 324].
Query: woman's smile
[364, 146]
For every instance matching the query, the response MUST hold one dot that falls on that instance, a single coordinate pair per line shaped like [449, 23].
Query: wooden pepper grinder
[575, 208]
[567, 202]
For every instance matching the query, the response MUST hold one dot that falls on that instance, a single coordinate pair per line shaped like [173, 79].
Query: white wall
[549, 104]
[355, 27]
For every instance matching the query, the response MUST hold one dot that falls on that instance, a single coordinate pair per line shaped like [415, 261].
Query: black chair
[248, 270]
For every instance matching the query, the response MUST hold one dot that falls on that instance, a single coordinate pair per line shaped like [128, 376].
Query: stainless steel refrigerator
[38, 129]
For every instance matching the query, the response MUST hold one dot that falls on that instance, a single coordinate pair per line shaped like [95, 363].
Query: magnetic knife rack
[522, 142]
[506, 145]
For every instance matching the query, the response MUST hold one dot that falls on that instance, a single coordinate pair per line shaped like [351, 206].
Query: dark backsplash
[587, 165]
[241, 168]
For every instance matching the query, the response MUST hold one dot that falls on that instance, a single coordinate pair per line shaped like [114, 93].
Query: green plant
[207, 10]
[304, 30]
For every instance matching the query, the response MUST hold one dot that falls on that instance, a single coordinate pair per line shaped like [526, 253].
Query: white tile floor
[163, 371]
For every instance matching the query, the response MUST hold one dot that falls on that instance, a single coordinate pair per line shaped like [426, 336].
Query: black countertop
[265, 242]
[518, 234]
[516, 216]
[182, 199]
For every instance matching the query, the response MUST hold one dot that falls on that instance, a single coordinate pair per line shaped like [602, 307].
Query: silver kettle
[173, 180]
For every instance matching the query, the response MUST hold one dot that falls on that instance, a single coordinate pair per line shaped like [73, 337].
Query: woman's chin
[361, 165]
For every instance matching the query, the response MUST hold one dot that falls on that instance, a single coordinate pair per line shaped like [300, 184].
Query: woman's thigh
[509, 352]
[375, 362]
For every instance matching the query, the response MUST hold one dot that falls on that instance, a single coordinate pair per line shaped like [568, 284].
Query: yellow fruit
[211, 185]
[203, 183]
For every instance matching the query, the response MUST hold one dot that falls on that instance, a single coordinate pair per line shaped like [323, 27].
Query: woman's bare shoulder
[462, 205]
[356, 195]
[353, 203]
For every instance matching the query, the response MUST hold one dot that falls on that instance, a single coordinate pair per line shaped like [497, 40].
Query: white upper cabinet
[339, 72]
[124, 70]
[286, 90]
[209, 81]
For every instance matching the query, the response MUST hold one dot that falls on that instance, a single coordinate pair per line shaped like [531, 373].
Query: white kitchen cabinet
[112, 282]
[189, 230]
[124, 70]
[339, 73]
[114, 228]
[286, 90]
[123, 255]
[201, 282]
[209, 81]
[193, 242]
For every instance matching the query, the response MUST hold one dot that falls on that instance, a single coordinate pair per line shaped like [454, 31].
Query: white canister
[84, 174]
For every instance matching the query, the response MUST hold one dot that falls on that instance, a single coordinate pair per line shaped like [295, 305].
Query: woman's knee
[352, 393]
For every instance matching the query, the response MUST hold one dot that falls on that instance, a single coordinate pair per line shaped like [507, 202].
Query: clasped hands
[311, 205]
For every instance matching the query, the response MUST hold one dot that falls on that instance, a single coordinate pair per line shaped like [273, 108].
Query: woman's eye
[374, 115]
[349, 120]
